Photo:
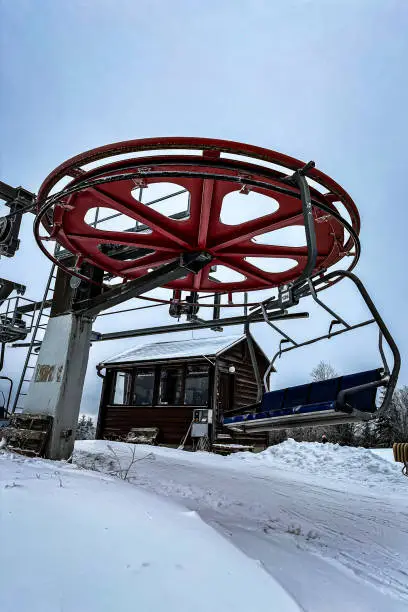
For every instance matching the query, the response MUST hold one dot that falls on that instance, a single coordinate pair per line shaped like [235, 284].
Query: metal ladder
[35, 342]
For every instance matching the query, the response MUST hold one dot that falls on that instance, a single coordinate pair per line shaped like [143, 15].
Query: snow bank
[79, 541]
[343, 463]
[333, 464]
[385, 453]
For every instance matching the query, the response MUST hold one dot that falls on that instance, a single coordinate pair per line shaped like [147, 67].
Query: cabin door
[225, 392]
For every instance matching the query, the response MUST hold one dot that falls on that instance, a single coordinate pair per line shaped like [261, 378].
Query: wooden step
[28, 434]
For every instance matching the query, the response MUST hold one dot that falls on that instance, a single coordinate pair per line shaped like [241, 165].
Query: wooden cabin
[160, 385]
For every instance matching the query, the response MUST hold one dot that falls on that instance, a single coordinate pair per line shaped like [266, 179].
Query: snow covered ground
[78, 541]
[329, 523]
[311, 527]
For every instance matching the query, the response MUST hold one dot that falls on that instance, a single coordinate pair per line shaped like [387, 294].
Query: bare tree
[323, 371]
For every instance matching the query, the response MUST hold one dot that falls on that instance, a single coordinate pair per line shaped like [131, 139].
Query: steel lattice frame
[208, 176]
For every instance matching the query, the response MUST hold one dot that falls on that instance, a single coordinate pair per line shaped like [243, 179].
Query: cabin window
[143, 387]
[196, 387]
[121, 392]
[171, 385]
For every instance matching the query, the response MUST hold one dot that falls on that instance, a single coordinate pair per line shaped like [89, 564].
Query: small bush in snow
[122, 465]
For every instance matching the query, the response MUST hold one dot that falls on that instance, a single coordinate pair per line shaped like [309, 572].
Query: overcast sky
[316, 79]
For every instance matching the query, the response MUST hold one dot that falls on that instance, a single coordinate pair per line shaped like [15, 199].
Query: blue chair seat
[317, 398]
[322, 408]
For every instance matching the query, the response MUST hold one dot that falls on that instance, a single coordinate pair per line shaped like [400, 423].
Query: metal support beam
[33, 306]
[95, 336]
[188, 262]
[11, 194]
[19, 201]
[168, 329]
[254, 361]
[7, 404]
[217, 312]
[7, 287]
[298, 178]
[217, 306]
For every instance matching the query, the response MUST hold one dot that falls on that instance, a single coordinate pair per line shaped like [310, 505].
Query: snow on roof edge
[135, 354]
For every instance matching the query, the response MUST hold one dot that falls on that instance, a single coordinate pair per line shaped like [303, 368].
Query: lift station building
[167, 385]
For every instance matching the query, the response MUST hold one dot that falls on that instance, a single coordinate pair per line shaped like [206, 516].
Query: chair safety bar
[390, 377]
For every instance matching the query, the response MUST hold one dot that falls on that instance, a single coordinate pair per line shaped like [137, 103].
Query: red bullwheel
[208, 173]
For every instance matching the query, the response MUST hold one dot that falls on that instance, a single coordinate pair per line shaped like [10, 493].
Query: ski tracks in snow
[352, 542]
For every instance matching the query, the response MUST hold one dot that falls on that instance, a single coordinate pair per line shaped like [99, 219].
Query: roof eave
[154, 361]
[230, 346]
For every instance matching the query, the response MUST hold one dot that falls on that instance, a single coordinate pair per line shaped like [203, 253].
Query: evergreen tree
[85, 428]
[393, 425]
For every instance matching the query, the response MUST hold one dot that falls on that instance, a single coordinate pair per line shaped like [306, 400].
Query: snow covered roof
[195, 347]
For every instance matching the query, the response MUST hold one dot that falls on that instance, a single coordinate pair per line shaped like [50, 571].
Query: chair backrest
[362, 400]
[272, 400]
[296, 396]
[325, 391]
